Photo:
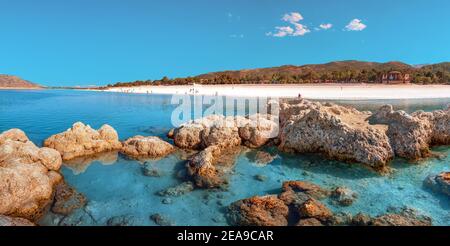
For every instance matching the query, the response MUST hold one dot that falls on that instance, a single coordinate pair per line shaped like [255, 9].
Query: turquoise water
[116, 187]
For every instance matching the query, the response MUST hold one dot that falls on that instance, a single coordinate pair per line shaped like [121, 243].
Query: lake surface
[116, 187]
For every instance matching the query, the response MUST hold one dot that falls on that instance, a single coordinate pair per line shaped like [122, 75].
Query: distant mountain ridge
[350, 71]
[331, 66]
[10, 81]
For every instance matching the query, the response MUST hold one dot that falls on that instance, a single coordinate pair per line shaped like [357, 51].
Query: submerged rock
[344, 196]
[178, 190]
[339, 132]
[81, 140]
[439, 183]
[260, 177]
[123, 220]
[402, 219]
[259, 211]
[149, 169]
[67, 199]
[167, 201]
[146, 147]
[161, 220]
[14, 221]
[28, 175]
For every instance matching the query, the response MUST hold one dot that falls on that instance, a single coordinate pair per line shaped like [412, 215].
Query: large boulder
[146, 147]
[208, 131]
[439, 183]
[258, 130]
[259, 211]
[411, 135]
[226, 132]
[14, 221]
[82, 140]
[339, 132]
[28, 175]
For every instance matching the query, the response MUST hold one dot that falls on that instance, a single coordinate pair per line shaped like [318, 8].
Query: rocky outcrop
[309, 222]
[28, 175]
[82, 140]
[312, 208]
[225, 132]
[259, 211]
[411, 135]
[297, 200]
[406, 217]
[439, 183]
[14, 221]
[209, 167]
[146, 147]
[339, 132]
[297, 192]
[298, 204]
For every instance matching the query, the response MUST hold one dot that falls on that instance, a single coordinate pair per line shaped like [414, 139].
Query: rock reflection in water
[80, 165]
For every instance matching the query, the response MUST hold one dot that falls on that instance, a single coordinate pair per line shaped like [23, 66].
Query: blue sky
[86, 42]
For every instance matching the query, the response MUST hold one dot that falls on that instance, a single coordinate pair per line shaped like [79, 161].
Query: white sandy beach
[323, 91]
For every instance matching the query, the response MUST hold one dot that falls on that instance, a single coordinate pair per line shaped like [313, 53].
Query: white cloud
[326, 26]
[296, 29]
[293, 17]
[300, 30]
[355, 25]
[282, 31]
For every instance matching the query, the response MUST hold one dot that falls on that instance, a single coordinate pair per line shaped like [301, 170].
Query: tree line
[433, 74]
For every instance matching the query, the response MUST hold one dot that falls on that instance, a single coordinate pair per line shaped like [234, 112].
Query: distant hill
[9, 81]
[339, 66]
[334, 72]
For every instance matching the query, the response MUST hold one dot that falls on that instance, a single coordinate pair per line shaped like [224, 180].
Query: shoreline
[316, 91]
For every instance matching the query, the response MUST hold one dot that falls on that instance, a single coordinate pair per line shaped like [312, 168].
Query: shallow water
[116, 186]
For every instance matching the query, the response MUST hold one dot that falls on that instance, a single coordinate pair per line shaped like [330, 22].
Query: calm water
[116, 187]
